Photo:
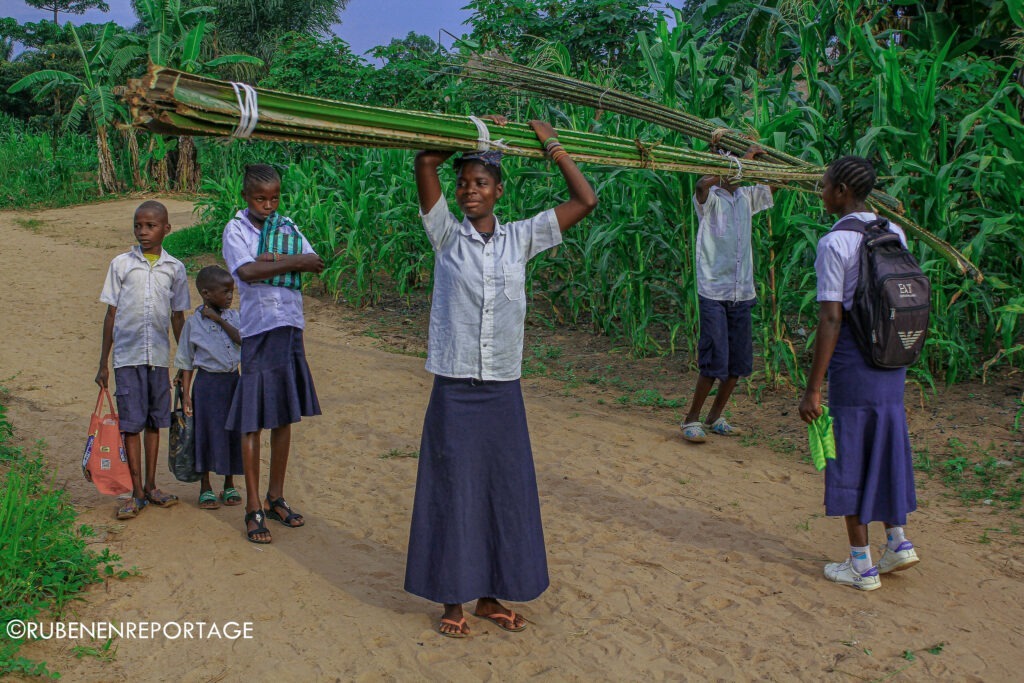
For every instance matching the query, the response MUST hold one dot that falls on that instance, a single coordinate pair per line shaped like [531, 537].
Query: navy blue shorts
[726, 346]
[143, 394]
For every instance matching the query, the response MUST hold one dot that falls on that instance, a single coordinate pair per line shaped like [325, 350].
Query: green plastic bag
[821, 439]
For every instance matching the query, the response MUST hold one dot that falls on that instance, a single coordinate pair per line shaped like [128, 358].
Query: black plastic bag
[181, 446]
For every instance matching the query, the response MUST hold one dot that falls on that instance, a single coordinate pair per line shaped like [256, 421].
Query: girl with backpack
[872, 477]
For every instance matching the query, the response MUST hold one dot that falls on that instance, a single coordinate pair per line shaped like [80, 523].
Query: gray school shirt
[205, 345]
[479, 299]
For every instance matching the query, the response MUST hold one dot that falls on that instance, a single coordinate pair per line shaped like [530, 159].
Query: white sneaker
[904, 557]
[844, 573]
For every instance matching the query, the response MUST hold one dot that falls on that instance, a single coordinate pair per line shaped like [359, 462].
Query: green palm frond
[47, 77]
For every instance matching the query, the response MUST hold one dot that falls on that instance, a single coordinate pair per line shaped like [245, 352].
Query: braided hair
[857, 173]
[262, 174]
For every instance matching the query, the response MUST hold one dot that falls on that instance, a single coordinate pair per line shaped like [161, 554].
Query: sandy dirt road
[668, 562]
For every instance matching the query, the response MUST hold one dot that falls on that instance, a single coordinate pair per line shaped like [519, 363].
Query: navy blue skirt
[873, 473]
[218, 450]
[476, 527]
[276, 388]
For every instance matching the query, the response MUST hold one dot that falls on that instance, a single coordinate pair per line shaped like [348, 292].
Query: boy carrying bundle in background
[725, 290]
[146, 292]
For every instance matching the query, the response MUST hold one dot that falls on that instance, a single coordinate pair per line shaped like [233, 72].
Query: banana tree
[178, 37]
[104, 64]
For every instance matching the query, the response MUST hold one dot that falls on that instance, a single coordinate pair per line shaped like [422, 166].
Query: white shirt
[144, 297]
[838, 261]
[262, 307]
[725, 260]
[479, 299]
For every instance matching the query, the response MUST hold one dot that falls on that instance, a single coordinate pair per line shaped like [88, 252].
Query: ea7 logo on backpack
[889, 316]
[908, 339]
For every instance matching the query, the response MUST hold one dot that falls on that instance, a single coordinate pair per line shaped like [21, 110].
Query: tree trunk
[158, 168]
[107, 174]
[132, 141]
[188, 165]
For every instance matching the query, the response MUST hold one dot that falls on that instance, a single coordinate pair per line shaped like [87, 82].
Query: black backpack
[889, 316]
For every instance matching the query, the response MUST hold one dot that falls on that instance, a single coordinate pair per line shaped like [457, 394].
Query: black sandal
[259, 517]
[272, 513]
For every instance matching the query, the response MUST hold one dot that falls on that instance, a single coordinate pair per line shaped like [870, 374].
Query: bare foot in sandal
[453, 622]
[161, 499]
[501, 616]
[256, 527]
[208, 500]
[279, 510]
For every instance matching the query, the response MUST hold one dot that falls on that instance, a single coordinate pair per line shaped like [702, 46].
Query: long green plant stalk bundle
[172, 102]
[502, 73]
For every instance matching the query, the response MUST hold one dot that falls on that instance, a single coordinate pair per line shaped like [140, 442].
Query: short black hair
[857, 173]
[211, 276]
[493, 171]
[153, 205]
[259, 174]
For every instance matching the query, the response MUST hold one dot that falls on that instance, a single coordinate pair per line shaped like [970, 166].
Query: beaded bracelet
[558, 154]
[551, 142]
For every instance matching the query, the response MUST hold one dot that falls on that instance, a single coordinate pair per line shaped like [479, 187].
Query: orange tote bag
[105, 462]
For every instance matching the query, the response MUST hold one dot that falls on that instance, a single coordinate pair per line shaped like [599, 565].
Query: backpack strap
[853, 224]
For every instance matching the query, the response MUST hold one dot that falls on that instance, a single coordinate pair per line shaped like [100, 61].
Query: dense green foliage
[44, 561]
[939, 112]
[34, 175]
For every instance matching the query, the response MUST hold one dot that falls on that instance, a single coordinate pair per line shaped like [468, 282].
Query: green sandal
[230, 496]
[208, 500]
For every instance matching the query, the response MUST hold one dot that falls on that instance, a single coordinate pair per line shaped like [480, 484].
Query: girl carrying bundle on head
[872, 477]
[266, 253]
[476, 528]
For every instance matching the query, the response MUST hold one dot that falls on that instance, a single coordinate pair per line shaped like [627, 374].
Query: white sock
[861, 558]
[894, 537]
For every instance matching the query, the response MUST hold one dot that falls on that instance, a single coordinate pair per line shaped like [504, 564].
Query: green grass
[193, 241]
[399, 453]
[32, 224]
[44, 560]
[978, 474]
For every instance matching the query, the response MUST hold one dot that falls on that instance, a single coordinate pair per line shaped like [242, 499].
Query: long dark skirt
[275, 388]
[476, 527]
[218, 450]
[873, 473]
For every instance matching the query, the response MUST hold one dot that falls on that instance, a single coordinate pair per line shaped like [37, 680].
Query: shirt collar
[243, 217]
[137, 251]
[469, 231]
[724, 193]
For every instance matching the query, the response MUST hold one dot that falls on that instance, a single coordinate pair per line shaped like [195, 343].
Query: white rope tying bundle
[248, 109]
[739, 166]
[484, 143]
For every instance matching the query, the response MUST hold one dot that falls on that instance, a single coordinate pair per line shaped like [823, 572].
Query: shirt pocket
[515, 280]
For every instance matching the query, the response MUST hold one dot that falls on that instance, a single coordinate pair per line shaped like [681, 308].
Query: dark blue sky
[364, 23]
